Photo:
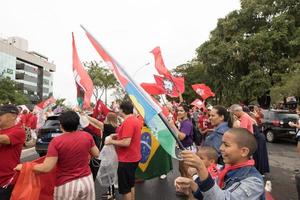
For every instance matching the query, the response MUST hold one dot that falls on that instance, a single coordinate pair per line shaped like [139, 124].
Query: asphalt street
[283, 158]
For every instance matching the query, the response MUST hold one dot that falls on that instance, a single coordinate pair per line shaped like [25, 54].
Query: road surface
[283, 158]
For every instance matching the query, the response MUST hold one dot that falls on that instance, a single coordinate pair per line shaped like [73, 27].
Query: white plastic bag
[107, 174]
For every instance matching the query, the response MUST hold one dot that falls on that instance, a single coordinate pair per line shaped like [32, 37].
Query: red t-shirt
[10, 154]
[95, 130]
[246, 122]
[73, 150]
[32, 121]
[130, 128]
[204, 122]
[25, 119]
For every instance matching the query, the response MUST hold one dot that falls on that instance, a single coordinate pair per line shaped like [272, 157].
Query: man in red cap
[12, 138]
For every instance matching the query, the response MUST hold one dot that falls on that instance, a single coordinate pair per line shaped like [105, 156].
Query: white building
[30, 69]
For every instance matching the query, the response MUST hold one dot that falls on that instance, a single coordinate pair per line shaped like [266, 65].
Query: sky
[128, 29]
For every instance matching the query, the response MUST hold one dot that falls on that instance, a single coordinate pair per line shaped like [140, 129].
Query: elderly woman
[218, 119]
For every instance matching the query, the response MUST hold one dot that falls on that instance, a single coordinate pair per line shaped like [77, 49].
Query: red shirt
[95, 130]
[25, 119]
[10, 154]
[204, 122]
[130, 128]
[73, 150]
[246, 122]
[32, 121]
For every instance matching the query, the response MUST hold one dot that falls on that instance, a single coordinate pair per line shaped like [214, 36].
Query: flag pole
[142, 93]
[171, 130]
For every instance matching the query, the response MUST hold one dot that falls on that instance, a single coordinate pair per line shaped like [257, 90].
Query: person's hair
[251, 108]
[69, 120]
[210, 152]
[126, 107]
[246, 109]
[185, 108]
[230, 120]
[244, 139]
[221, 111]
[235, 107]
[112, 118]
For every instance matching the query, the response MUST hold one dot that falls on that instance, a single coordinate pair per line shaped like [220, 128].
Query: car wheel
[270, 136]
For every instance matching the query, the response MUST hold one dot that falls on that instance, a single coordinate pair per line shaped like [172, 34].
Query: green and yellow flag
[155, 160]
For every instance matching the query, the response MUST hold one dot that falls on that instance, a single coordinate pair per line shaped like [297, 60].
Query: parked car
[275, 124]
[46, 133]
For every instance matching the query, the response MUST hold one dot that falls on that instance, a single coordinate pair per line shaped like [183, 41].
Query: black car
[276, 124]
[46, 133]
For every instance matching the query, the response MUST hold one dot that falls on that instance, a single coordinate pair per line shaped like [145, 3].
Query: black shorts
[126, 176]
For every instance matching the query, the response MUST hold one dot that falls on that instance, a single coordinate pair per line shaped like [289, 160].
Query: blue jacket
[214, 139]
[244, 183]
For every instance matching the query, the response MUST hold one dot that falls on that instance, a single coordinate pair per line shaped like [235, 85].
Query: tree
[193, 73]
[250, 51]
[289, 87]
[103, 79]
[118, 93]
[10, 93]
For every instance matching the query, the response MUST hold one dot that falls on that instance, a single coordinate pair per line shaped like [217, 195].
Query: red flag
[47, 182]
[198, 103]
[152, 88]
[159, 62]
[172, 86]
[41, 108]
[203, 90]
[84, 84]
[46, 103]
[100, 110]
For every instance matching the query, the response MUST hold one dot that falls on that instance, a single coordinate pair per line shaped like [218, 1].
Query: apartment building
[31, 70]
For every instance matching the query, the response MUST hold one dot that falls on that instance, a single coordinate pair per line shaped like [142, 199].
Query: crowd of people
[227, 162]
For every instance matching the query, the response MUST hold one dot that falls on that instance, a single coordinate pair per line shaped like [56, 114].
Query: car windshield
[287, 116]
[53, 122]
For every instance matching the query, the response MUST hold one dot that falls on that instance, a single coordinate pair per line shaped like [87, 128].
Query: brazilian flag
[155, 160]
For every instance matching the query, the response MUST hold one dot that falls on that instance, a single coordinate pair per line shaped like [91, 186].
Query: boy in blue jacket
[238, 180]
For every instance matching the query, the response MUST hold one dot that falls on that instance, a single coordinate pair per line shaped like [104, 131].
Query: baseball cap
[9, 108]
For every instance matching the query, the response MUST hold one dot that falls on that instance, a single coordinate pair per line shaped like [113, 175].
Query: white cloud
[129, 29]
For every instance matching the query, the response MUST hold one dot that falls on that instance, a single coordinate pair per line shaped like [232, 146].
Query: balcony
[20, 76]
[20, 66]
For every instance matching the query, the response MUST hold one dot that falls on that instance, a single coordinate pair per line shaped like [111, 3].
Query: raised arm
[95, 122]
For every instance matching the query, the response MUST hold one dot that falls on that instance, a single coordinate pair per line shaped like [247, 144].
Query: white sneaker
[163, 176]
